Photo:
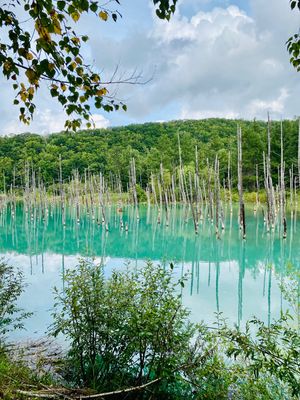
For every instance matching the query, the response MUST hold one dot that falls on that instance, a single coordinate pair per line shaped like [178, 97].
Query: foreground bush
[132, 331]
[11, 286]
[125, 330]
[14, 373]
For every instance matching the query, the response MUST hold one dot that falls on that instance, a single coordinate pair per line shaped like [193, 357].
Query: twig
[38, 395]
[122, 391]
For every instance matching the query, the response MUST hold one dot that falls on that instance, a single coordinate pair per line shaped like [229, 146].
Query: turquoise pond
[226, 274]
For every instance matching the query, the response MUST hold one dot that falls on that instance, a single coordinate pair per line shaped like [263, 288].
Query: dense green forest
[110, 150]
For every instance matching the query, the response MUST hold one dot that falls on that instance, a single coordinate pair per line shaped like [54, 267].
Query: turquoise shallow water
[238, 278]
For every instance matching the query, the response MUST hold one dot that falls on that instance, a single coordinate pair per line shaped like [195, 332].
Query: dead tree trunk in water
[210, 193]
[133, 185]
[165, 194]
[282, 185]
[292, 188]
[229, 181]
[257, 188]
[217, 195]
[267, 218]
[61, 190]
[181, 174]
[192, 204]
[240, 182]
[272, 210]
[197, 186]
[173, 190]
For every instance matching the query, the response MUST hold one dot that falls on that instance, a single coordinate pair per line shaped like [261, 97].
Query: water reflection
[239, 278]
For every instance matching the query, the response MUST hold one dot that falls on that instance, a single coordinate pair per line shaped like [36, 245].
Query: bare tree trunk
[269, 179]
[292, 188]
[229, 182]
[257, 188]
[240, 182]
[181, 174]
[267, 218]
[192, 204]
[153, 190]
[133, 180]
[282, 185]
[217, 195]
[210, 193]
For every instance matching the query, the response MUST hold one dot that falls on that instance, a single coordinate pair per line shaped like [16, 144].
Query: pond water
[239, 278]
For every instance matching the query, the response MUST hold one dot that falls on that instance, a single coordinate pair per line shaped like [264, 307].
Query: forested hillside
[110, 150]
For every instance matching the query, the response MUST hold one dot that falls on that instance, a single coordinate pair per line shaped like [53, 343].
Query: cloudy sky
[215, 58]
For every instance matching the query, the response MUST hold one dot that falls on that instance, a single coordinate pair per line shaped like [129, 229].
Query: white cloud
[217, 63]
[276, 105]
[188, 114]
[47, 121]
[100, 121]
[228, 64]
[222, 62]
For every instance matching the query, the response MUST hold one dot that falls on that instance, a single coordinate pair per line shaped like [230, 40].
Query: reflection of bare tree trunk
[269, 295]
[217, 276]
[240, 283]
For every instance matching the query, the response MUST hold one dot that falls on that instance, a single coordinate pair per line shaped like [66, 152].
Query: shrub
[132, 329]
[125, 330]
[141, 194]
[11, 287]
[268, 352]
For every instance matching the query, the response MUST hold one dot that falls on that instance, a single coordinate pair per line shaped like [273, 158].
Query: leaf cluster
[46, 47]
[293, 43]
[273, 350]
[165, 8]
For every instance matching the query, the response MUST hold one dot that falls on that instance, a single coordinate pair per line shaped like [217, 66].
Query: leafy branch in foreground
[290, 288]
[293, 43]
[273, 350]
[11, 287]
[43, 46]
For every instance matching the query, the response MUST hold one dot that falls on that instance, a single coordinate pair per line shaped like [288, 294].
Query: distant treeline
[110, 150]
